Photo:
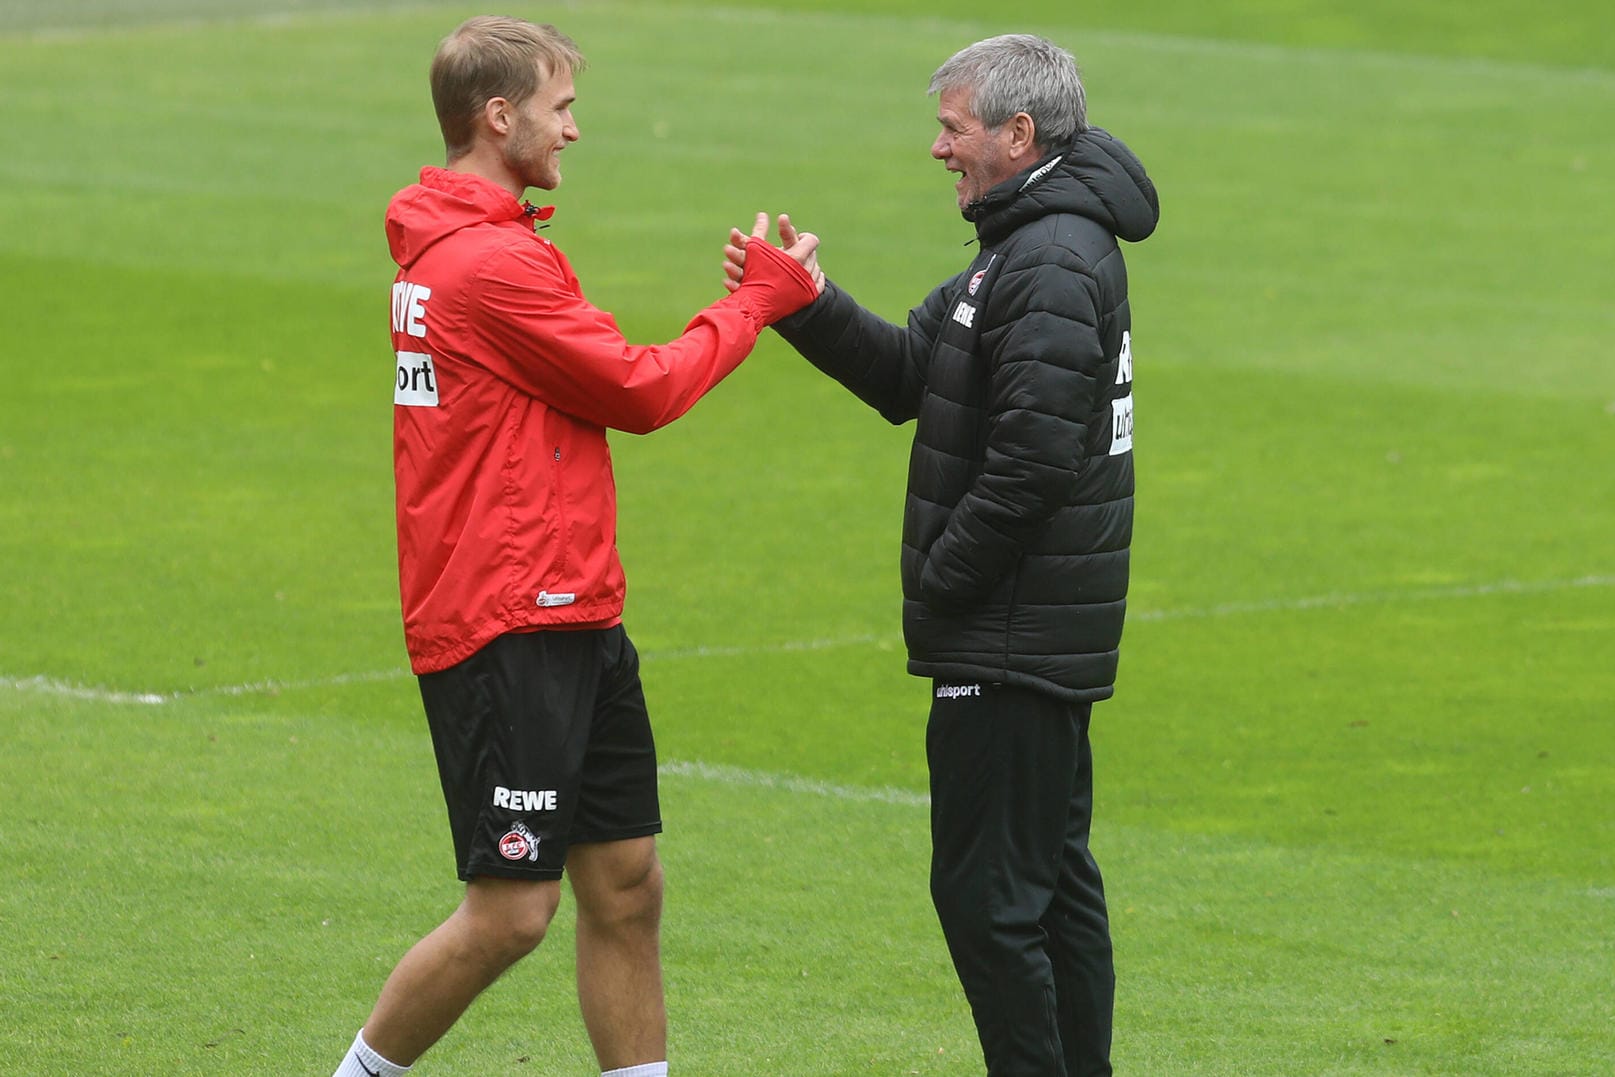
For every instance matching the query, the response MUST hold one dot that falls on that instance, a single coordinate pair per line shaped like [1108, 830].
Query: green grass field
[1355, 792]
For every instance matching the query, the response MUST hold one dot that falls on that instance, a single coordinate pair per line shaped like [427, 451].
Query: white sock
[361, 1061]
[649, 1069]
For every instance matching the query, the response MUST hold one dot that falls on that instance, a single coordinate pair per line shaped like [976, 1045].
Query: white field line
[851, 794]
[1372, 598]
[50, 686]
[181, 23]
[767, 648]
[60, 689]
[726, 775]
[266, 15]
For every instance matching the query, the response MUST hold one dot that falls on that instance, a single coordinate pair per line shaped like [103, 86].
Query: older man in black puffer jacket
[1016, 531]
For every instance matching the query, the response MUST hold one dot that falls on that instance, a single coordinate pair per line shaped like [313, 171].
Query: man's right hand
[801, 246]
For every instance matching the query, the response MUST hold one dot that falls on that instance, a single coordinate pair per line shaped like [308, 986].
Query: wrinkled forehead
[955, 104]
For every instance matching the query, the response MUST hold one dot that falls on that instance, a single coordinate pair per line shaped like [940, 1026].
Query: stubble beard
[530, 161]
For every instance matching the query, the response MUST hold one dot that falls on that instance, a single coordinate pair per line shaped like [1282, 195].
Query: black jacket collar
[1094, 176]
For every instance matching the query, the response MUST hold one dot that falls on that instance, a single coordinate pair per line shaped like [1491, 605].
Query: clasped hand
[802, 246]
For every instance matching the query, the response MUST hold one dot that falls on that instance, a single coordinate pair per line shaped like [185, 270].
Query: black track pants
[1018, 894]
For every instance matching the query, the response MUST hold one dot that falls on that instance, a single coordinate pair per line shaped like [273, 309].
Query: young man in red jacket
[511, 586]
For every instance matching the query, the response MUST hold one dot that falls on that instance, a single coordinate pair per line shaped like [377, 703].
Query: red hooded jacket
[507, 380]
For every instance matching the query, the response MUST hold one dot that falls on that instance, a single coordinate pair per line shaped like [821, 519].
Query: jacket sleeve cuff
[798, 322]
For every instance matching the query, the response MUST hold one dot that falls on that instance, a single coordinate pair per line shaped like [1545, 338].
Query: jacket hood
[443, 202]
[1096, 176]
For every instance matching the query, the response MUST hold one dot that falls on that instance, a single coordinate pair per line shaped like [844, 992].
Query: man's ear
[497, 114]
[1022, 137]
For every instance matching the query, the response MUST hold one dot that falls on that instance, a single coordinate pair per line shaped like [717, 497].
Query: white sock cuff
[649, 1069]
[362, 1061]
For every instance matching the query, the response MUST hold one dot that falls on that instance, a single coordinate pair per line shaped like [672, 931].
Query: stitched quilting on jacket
[1018, 374]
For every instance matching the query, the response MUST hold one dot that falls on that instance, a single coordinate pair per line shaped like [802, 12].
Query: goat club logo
[519, 843]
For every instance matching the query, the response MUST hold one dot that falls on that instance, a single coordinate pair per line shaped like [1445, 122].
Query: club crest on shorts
[519, 843]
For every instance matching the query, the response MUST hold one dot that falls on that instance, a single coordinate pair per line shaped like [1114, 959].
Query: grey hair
[1019, 73]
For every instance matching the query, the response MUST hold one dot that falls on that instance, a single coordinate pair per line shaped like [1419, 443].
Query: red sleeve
[542, 336]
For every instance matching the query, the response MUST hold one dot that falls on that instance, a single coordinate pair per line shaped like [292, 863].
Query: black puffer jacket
[1019, 371]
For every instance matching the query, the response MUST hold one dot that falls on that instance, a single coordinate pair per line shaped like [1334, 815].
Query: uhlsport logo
[1040, 173]
[417, 383]
[519, 843]
[957, 691]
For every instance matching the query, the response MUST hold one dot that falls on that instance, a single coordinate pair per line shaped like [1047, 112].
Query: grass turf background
[1353, 791]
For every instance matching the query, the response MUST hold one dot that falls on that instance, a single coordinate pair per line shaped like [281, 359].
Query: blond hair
[493, 56]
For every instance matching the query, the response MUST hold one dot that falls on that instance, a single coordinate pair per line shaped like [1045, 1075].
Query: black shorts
[542, 742]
